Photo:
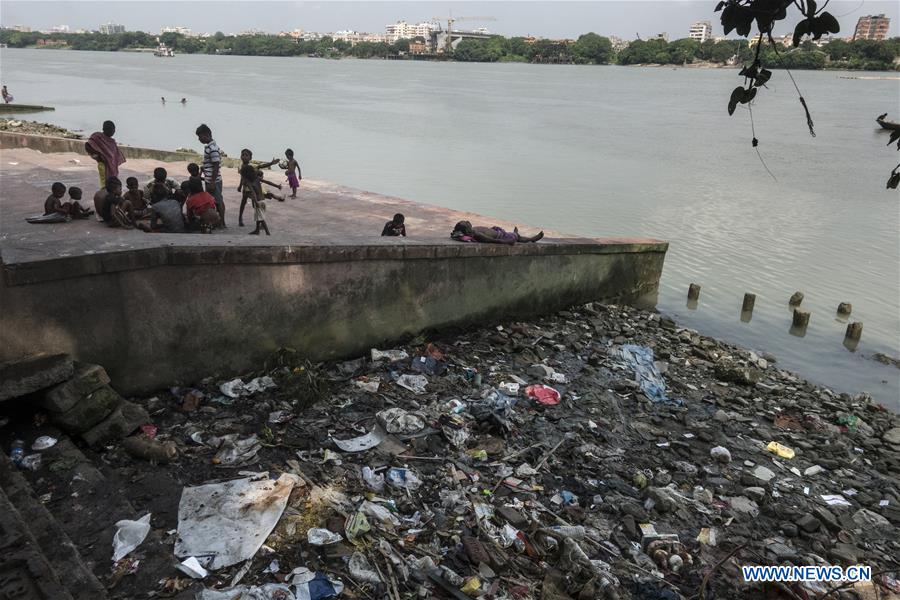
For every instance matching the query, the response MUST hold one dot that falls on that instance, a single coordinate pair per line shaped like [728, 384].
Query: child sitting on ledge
[72, 209]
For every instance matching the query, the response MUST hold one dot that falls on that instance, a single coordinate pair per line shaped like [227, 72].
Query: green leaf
[893, 181]
[800, 30]
[728, 18]
[744, 21]
[748, 95]
[737, 95]
[763, 77]
[895, 135]
[811, 7]
[720, 6]
[829, 23]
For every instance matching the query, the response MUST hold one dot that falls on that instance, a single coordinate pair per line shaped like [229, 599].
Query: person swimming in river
[465, 232]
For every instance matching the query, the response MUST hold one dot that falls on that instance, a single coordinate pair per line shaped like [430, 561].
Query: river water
[594, 151]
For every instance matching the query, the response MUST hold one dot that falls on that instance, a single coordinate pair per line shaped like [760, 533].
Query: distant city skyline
[552, 19]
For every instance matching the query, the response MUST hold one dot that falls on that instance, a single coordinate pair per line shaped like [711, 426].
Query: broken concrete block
[89, 411]
[33, 373]
[124, 419]
[86, 379]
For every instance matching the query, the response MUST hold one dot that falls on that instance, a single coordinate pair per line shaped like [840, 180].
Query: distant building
[403, 30]
[872, 27]
[618, 43]
[356, 37]
[22, 28]
[185, 31]
[111, 28]
[661, 36]
[417, 47]
[701, 31]
[59, 29]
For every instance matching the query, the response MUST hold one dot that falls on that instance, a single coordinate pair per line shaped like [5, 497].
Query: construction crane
[450, 21]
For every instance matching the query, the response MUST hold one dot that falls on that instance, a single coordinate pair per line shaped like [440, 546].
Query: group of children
[170, 207]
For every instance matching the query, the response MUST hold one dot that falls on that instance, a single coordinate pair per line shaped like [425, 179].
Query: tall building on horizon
[872, 27]
[111, 28]
[701, 31]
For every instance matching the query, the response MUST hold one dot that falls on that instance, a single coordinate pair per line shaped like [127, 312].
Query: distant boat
[163, 50]
[13, 107]
[886, 124]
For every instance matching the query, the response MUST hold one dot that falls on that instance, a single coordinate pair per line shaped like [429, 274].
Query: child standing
[251, 183]
[246, 157]
[292, 165]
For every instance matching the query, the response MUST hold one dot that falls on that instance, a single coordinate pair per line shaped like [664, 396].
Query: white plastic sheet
[129, 536]
[226, 523]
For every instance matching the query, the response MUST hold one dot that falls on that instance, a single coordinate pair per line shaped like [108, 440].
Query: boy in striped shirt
[211, 168]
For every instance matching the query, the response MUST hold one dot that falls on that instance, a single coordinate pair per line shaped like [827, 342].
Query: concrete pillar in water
[845, 308]
[749, 302]
[801, 318]
[694, 292]
[796, 299]
[799, 323]
[854, 331]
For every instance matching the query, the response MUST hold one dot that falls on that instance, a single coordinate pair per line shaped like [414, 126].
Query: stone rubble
[464, 485]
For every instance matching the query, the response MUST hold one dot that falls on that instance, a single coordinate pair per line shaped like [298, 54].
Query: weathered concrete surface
[49, 144]
[159, 309]
[32, 373]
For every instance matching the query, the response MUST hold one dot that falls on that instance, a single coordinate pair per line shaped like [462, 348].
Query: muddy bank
[554, 459]
[37, 128]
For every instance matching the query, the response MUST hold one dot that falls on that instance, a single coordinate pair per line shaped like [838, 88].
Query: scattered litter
[192, 568]
[43, 442]
[646, 373]
[414, 383]
[397, 420]
[129, 536]
[228, 522]
[322, 537]
[543, 394]
[389, 355]
[363, 442]
[782, 451]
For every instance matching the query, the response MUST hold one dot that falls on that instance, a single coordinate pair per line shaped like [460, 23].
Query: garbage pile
[601, 452]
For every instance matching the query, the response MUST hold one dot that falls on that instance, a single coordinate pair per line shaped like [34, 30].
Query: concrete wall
[171, 315]
[49, 144]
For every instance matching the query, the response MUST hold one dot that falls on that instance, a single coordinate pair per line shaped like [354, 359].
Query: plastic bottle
[17, 453]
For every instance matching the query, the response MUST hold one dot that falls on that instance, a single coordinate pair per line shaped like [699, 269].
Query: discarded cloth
[646, 374]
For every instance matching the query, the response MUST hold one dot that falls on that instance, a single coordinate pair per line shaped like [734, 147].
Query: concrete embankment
[160, 309]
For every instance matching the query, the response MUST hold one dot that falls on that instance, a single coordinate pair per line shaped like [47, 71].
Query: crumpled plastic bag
[543, 394]
[236, 387]
[129, 535]
[414, 383]
[361, 569]
[318, 536]
[397, 420]
[234, 452]
[269, 591]
[389, 355]
[402, 478]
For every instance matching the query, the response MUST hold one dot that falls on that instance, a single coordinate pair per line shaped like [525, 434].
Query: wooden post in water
[796, 299]
[854, 331]
[749, 302]
[845, 308]
[694, 292]
[801, 318]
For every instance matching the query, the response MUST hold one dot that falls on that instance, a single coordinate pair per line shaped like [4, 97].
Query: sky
[546, 18]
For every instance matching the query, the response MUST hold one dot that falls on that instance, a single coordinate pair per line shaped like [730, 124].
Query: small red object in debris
[543, 394]
[149, 431]
[433, 351]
